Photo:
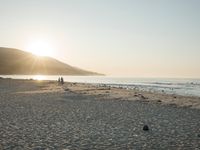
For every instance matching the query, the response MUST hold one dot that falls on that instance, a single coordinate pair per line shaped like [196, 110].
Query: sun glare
[39, 77]
[40, 48]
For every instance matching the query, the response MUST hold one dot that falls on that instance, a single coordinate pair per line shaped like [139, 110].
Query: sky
[138, 38]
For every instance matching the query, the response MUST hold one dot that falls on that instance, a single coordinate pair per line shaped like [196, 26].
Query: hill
[14, 61]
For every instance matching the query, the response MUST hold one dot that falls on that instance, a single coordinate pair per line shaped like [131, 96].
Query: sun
[40, 48]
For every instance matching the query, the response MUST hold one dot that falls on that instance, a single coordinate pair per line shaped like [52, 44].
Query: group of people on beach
[60, 80]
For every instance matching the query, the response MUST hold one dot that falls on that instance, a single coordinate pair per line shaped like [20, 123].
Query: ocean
[179, 86]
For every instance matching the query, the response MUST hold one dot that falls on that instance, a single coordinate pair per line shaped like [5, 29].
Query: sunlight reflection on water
[39, 77]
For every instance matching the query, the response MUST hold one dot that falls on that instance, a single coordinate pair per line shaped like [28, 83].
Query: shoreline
[103, 91]
[107, 92]
[177, 86]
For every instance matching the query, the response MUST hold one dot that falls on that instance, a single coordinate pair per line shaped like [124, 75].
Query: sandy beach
[43, 115]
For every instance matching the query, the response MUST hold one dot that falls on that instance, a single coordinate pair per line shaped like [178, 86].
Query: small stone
[159, 101]
[173, 131]
[145, 128]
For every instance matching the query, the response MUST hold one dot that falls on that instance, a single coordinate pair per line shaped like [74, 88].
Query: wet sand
[45, 115]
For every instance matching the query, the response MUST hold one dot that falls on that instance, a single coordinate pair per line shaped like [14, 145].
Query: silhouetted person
[59, 80]
[62, 80]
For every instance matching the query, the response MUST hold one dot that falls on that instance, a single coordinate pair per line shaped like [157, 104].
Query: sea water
[180, 86]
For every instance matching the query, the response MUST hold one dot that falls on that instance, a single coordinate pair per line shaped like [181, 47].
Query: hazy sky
[140, 38]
